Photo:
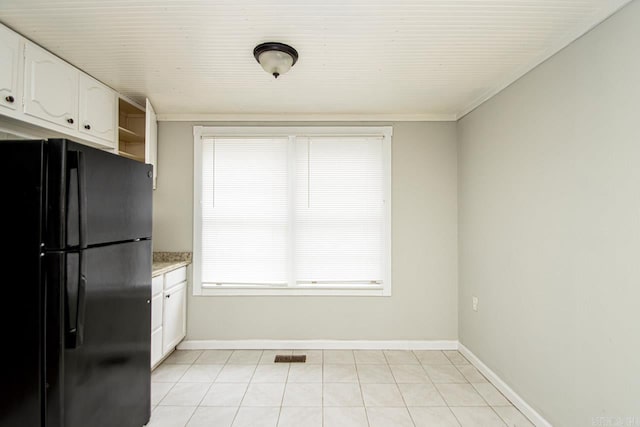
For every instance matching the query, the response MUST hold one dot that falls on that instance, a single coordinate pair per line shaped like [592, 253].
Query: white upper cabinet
[98, 106]
[9, 69]
[51, 88]
[151, 143]
[54, 99]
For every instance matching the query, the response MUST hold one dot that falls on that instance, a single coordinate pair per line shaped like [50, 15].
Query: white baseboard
[504, 388]
[317, 344]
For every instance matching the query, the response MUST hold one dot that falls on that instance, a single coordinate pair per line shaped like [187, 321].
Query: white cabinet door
[157, 284]
[151, 138]
[9, 68]
[156, 346]
[156, 320]
[174, 319]
[156, 311]
[51, 88]
[97, 110]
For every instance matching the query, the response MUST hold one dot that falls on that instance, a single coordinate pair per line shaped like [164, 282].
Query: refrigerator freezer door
[106, 370]
[95, 197]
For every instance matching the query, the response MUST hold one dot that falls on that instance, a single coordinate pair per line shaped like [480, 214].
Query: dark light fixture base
[280, 47]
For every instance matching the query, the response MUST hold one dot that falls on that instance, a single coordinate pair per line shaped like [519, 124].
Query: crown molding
[320, 117]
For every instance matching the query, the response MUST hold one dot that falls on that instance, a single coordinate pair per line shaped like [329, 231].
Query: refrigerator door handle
[77, 193]
[82, 199]
[82, 289]
[76, 308]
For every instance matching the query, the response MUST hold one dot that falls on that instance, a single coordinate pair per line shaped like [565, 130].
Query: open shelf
[138, 133]
[131, 131]
[125, 134]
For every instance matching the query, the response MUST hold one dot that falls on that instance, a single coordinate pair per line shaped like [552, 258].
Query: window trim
[200, 132]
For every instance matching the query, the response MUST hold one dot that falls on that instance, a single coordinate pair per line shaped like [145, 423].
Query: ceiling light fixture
[275, 58]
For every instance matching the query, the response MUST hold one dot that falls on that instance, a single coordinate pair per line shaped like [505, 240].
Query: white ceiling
[421, 59]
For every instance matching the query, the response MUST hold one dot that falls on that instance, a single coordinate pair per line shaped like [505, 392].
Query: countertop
[164, 262]
[161, 267]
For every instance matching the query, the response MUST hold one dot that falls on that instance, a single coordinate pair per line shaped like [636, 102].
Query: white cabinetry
[9, 69]
[175, 305]
[168, 312]
[51, 88]
[42, 96]
[97, 109]
[157, 285]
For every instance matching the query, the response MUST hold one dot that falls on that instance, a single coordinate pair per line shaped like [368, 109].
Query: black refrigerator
[76, 281]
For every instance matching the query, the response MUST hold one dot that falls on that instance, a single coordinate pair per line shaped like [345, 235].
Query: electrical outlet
[474, 302]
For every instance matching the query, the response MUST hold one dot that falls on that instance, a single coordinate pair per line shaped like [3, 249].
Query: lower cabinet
[156, 322]
[156, 346]
[168, 312]
[175, 310]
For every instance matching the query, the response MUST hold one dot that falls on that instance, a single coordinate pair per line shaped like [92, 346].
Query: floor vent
[280, 358]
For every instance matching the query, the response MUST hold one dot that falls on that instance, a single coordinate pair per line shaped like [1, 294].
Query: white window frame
[200, 132]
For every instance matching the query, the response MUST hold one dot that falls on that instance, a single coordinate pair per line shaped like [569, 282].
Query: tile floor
[334, 388]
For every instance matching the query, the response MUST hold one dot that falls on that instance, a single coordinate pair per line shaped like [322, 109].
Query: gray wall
[549, 187]
[424, 259]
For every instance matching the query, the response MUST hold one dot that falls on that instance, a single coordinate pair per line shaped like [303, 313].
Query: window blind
[293, 212]
[339, 210]
[245, 214]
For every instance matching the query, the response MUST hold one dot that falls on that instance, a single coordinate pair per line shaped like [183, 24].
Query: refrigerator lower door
[107, 319]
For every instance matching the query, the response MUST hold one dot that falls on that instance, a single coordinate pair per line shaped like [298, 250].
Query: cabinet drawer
[174, 277]
[156, 311]
[156, 284]
[156, 346]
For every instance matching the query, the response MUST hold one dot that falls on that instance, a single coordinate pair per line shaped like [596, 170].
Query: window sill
[377, 291]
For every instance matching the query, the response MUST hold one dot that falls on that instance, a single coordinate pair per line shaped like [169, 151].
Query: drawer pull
[87, 127]
[70, 121]
[10, 99]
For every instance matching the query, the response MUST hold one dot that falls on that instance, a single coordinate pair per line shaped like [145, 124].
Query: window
[283, 210]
